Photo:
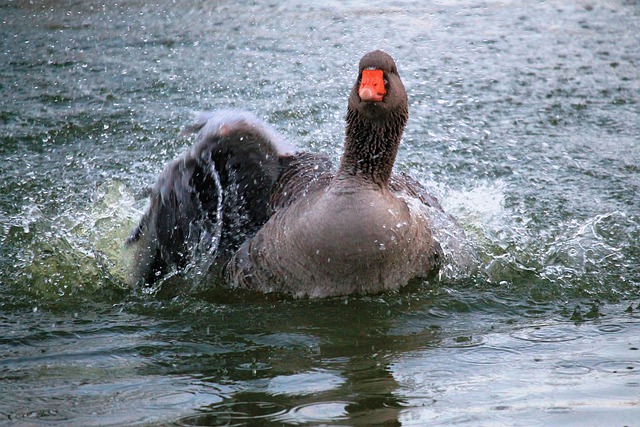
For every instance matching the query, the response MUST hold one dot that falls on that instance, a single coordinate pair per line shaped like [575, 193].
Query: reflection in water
[356, 383]
[275, 377]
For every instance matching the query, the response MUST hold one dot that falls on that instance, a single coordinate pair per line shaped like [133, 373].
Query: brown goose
[271, 218]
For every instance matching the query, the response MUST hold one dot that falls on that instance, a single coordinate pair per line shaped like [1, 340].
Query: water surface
[525, 123]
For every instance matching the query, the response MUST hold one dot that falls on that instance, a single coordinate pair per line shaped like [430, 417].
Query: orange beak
[372, 86]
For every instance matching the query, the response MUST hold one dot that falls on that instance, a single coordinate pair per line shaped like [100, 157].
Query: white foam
[480, 205]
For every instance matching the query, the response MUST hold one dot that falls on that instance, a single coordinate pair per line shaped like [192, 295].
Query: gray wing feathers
[218, 190]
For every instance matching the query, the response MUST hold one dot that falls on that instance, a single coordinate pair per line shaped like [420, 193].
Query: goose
[277, 219]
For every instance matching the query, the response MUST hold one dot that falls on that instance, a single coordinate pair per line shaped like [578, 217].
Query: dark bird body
[273, 218]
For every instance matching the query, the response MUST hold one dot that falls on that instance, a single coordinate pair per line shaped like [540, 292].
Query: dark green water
[525, 122]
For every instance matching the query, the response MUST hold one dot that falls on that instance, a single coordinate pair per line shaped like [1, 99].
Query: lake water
[525, 122]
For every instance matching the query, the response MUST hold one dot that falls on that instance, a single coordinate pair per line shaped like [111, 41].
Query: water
[525, 122]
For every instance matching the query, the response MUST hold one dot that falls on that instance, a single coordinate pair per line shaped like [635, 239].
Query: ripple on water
[320, 412]
[611, 328]
[430, 375]
[235, 414]
[286, 340]
[566, 368]
[558, 410]
[130, 401]
[464, 341]
[619, 367]
[547, 333]
[254, 366]
[485, 355]
[299, 384]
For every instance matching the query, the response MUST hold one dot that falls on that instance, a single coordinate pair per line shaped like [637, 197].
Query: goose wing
[209, 200]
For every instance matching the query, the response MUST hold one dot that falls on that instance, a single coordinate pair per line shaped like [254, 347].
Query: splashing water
[524, 118]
